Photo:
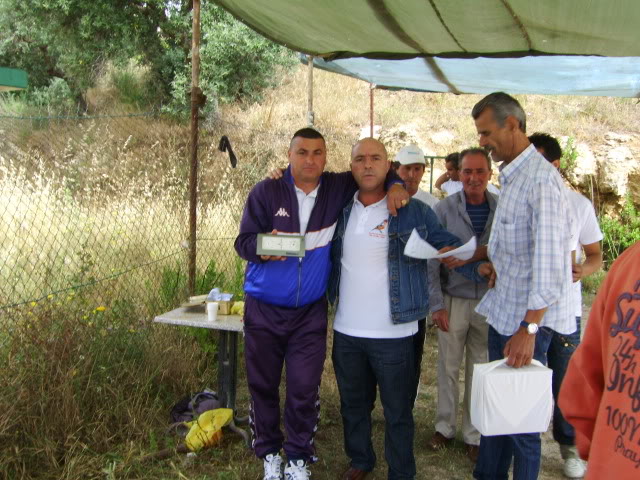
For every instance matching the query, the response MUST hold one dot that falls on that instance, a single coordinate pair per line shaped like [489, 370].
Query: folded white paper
[418, 248]
[507, 400]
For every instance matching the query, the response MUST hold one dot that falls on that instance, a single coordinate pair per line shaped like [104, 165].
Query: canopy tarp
[560, 75]
[453, 28]
[12, 79]
[463, 46]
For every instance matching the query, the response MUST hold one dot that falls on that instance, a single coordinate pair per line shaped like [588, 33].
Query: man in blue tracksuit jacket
[285, 317]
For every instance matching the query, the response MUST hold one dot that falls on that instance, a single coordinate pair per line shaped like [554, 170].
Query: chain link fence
[94, 210]
[94, 225]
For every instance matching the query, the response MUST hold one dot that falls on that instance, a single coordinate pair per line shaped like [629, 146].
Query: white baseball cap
[409, 155]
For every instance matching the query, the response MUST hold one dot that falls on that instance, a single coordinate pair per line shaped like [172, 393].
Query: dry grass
[232, 461]
[341, 106]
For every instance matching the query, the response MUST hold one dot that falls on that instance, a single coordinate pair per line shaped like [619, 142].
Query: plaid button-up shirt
[530, 248]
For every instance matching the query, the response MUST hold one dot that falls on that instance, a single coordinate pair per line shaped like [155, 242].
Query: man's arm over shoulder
[256, 218]
[343, 183]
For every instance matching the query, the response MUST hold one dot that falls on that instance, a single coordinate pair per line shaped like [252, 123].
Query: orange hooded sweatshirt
[600, 394]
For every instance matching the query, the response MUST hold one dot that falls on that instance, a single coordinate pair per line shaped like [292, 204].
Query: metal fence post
[196, 102]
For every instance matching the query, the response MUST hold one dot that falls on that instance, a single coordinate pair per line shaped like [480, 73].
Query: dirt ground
[450, 464]
[234, 461]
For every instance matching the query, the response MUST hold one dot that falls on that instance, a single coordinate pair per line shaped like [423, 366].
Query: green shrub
[81, 381]
[134, 87]
[57, 98]
[619, 234]
[569, 157]
[592, 283]
[236, 63]
[173, 288]
[209, 279]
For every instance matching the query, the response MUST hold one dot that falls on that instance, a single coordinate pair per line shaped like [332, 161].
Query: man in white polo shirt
[382, 294]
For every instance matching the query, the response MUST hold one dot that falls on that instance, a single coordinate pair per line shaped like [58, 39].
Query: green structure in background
[12, 79]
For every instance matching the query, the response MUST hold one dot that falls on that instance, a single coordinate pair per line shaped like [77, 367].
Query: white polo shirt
[425, 197]
[451, 186]
[585, 232]
[363, 306]
[306, 202]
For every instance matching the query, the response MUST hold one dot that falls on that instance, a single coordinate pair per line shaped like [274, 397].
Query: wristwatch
[532, 328]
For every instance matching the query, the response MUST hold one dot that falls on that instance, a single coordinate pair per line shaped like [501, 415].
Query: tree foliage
[72, 39]
[620, 234]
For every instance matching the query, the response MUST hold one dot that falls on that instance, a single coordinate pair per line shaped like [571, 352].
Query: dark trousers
[559, 354]
[497, 451]
[418, 349]
[297, 338]
[361, 364]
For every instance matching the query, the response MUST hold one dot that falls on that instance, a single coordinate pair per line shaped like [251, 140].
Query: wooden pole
[310, 114]
[371, 88]
[431, 176]
[196, 100]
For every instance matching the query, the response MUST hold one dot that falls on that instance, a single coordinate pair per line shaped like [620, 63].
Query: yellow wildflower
[101, 308]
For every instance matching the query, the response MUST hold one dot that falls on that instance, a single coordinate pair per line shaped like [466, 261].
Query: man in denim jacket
[383, 294]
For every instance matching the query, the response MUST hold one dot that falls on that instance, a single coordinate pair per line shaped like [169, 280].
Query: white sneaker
[297, 471]
[574, 468]
[273, 467]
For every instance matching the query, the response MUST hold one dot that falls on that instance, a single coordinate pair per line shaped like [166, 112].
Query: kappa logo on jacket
[282, 212]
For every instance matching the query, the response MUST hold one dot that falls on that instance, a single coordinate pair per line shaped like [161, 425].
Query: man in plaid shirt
[530, 249]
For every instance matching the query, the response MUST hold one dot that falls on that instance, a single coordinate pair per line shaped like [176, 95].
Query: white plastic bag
[507, 400]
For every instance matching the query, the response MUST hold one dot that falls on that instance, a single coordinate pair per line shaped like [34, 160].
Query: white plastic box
[507, 400]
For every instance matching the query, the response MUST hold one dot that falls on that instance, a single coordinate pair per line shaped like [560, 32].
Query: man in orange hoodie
[600, 395]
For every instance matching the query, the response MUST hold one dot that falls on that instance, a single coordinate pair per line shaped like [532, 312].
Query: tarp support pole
[432, 159]
[196, 102]
[431, 176]
[372, 86]
[310, 115]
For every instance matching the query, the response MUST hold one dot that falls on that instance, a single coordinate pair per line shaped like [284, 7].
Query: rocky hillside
[605, 132]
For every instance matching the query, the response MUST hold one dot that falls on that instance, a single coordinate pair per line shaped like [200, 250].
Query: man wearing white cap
[410, 167]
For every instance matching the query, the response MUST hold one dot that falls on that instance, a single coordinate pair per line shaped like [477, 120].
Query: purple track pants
[297, 338]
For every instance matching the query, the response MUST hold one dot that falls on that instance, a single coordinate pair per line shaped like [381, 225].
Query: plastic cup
[212, 311]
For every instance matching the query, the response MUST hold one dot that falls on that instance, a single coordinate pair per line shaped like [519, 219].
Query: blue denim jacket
[408, 292]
